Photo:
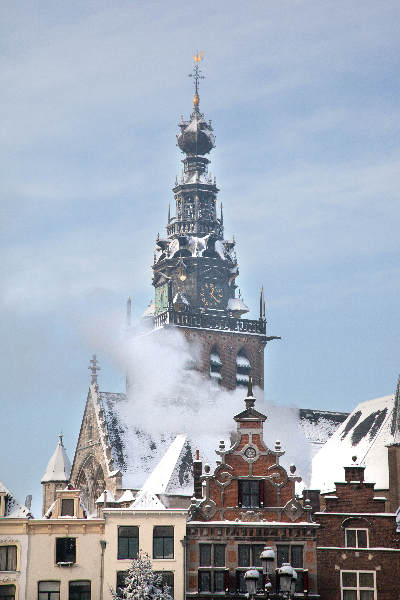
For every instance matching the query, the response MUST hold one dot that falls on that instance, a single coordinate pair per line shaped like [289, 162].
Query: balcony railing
[209, 321]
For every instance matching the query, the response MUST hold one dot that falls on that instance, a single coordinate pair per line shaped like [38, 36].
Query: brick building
[249, 501]
[358, 543]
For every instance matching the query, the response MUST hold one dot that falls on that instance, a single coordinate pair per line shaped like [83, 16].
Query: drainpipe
[103, 544]
[184, 543]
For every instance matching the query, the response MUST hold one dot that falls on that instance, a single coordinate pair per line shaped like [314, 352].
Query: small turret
[57, 474]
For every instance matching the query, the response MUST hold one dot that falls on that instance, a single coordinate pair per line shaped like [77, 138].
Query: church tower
[195, 267]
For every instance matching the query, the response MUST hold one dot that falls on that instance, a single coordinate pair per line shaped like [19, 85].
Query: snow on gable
[365, 434]
[13, 509]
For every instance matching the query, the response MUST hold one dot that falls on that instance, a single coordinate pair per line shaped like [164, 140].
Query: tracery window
[243, 368]
[91, 482]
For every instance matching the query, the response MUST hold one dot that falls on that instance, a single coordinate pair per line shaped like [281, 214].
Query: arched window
[243, 368]
[215, 365]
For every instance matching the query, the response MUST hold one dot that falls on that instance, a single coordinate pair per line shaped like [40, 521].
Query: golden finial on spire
[198, 57]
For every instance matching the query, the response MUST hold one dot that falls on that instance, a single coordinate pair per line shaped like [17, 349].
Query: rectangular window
[163, 542]
[244, 554]
[356, 538]
[358, 585]
[219, 555]
[67, 507]
[204, 581]
[256, 550]
[49, 590]
[121, 575]
[167, 578]
[7, 592]
[65, 550]
[79, 590]
[219, 581]
[8, 558]
[205, 555]
[282, 554]
[249, 493]
[128, 542]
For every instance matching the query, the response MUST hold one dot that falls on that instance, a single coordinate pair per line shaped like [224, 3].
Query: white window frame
[357, 589]
[356, 529]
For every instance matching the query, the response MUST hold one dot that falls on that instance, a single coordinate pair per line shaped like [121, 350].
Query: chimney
[355, 472]
[197, 473]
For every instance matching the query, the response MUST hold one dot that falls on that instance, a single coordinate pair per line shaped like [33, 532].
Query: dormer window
[67, 507]
[356, 538]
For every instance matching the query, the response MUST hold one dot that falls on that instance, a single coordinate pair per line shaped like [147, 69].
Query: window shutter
[226, 580]
[240, 494]
[261, 492]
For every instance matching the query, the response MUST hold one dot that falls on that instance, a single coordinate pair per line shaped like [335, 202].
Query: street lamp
[267, 557]
[285, 575]
[251, 578]
[287, 579]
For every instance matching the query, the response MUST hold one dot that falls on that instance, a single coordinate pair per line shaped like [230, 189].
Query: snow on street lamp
[267, 557]
[287, 579]
[251, 578]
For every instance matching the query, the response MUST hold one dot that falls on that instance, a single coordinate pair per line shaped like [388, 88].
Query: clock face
[212, 295]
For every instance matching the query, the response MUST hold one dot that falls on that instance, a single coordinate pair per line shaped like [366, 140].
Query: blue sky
[304, 98]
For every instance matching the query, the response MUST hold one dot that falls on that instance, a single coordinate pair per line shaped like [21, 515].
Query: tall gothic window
[215, 365]
[243, 368]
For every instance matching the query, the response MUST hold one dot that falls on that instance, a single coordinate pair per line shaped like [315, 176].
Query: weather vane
[197, 75]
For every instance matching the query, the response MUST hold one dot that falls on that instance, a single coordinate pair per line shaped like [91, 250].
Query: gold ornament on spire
[197, 58]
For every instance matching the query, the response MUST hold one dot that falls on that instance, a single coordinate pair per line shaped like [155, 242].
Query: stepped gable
[10, 507]
[319, 425]
[365, 433]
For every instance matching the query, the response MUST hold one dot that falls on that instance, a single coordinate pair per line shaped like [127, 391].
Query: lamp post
[285, 575]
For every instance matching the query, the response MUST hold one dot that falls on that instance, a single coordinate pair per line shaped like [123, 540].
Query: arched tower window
[243, 368]
[215, 365]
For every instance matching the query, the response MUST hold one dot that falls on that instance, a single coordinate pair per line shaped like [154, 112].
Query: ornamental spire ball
[196, 136]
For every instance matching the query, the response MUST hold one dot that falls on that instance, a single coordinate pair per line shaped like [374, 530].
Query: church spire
[59, 466]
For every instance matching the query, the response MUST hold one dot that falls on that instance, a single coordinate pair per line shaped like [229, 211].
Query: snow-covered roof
[109, 497]
[365, 434]
[159, 480]
[237, 305]
[127, 496]
[136, 453]
[13, 509]
[59, 466]
[319, 425]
